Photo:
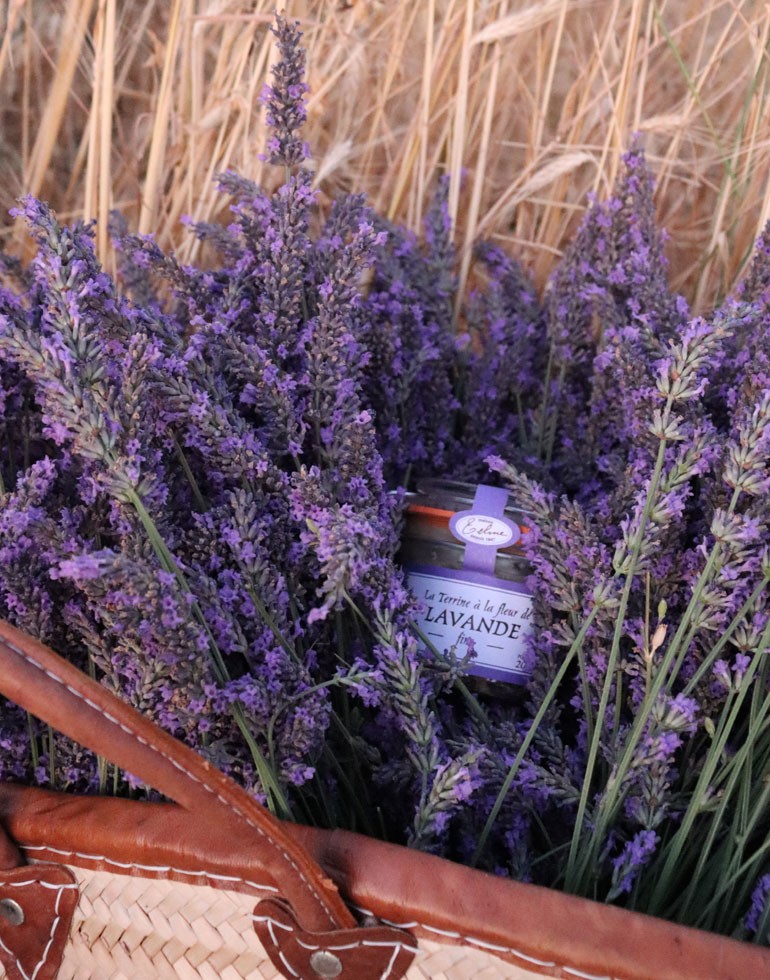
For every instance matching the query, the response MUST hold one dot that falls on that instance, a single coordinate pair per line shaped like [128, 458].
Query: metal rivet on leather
[326, 964]
[11, 911]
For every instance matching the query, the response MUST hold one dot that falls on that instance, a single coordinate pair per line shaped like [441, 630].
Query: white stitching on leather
[325, 945]
[42, 884]
[129, 731]
[480, 943]
[287, 965]
[270, 924]
[391, 964]
[60, 889]
[55, 925]
[462, 939]
[586, 976]
[395, 944]
[372, 942]
[157, 868]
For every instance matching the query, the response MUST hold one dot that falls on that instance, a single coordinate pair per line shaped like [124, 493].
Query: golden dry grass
[528, 105]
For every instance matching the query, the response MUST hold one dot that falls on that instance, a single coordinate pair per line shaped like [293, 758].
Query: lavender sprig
[200, 494]
[284, 99]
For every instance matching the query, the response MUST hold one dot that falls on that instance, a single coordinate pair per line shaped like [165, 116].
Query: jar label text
[495, 619]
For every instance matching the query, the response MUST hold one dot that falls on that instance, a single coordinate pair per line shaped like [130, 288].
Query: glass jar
[462, 553]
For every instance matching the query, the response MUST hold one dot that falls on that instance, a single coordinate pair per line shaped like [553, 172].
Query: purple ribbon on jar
[484, 529]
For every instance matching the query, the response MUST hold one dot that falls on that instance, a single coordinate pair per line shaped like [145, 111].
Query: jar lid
[484, 519]
[453, 495]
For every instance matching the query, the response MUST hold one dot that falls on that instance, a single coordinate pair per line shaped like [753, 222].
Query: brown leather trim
[154, 840]
[536, 928]
[45, 896]
[372, 953]
[544, 931]
[221, 831]
[43, 683]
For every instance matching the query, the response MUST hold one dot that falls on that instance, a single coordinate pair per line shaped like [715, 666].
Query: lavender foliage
[202, 474]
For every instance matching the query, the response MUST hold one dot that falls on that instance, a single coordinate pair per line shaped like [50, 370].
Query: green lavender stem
[574, 872]
[524, 748]
[277, 800]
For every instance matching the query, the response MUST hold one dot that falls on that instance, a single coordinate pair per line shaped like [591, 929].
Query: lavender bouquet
[202, 475]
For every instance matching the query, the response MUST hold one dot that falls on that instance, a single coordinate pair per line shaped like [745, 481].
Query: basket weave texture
[132, 928]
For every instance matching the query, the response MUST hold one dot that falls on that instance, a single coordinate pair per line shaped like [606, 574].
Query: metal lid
[483, 519]
[451, 495]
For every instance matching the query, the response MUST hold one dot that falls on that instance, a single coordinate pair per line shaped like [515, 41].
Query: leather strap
[36, 906]
[9, 853]
[534, 928]
[50, 688]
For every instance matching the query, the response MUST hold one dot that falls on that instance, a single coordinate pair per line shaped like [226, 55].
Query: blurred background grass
[136, 104]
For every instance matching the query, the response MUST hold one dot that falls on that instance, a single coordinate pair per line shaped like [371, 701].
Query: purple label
[484, 529]
[460, 608]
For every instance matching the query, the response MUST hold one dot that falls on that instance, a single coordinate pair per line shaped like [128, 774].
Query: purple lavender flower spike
[284, 99]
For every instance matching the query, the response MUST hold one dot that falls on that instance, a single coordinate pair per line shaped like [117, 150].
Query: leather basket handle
[46, 685]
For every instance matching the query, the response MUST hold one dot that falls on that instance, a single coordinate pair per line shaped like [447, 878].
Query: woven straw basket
[213, 886]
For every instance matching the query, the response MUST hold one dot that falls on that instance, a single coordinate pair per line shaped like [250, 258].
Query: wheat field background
[528, 106]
